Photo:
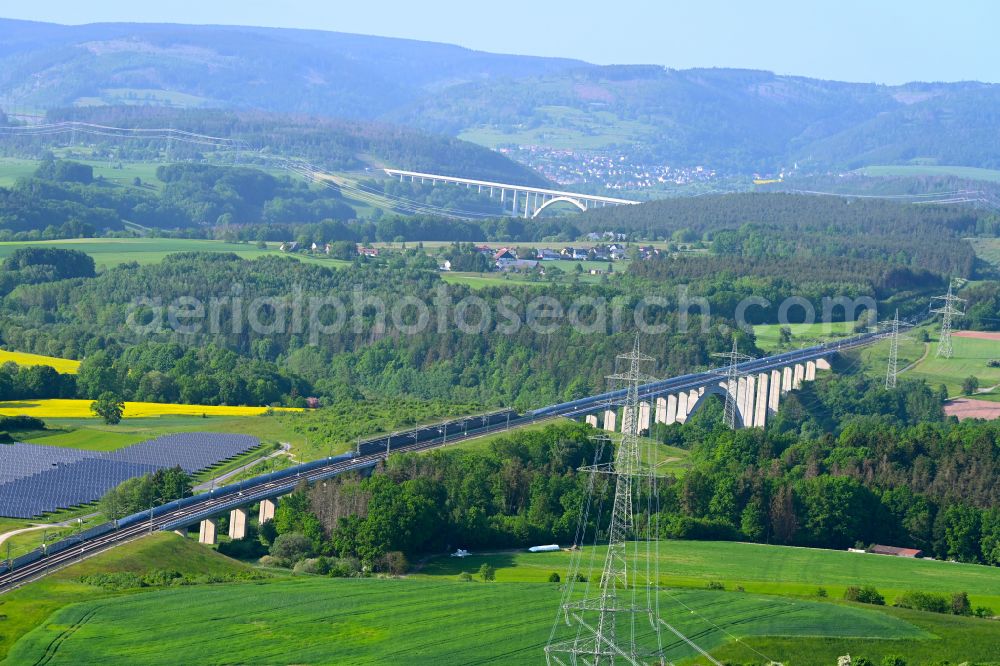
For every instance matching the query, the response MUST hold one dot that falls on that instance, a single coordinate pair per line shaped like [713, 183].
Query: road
[254, 490]
[220, 480]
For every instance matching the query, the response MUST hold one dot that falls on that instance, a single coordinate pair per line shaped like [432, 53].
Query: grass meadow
[768, 335]
[385, 621]
[432, 618]
[987, 249]
[972, 173]
[783, 570]
[111, 252]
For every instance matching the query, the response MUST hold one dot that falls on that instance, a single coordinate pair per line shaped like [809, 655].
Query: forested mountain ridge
[738, 121]
[302, 71]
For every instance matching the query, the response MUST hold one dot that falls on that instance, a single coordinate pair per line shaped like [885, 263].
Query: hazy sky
[886, 41]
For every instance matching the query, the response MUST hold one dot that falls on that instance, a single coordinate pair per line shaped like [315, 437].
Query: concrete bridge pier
[800, 375]
[266, 513]
[671, 410]
[644, 411]
[774, 397]
[591, 420]
[786, 379]
[760, 409]
[682, 407]
[238, 523]
[661, 411]
[208, 534]
[610, 420]
[810, 371]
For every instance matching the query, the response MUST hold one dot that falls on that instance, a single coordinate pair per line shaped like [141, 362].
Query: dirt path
[7, 535]
[927, 350]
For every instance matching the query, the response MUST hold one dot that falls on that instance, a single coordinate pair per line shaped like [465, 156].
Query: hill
[739, 121]
[301, 71]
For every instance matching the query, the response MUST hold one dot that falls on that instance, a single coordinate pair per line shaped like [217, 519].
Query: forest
[81, 317]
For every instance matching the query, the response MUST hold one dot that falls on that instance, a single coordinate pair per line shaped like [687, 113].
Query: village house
[503, 257]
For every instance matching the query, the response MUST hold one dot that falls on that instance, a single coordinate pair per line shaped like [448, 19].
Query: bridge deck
[508, 186]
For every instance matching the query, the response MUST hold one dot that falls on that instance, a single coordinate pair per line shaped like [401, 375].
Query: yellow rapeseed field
[80, 409]
[63, 365]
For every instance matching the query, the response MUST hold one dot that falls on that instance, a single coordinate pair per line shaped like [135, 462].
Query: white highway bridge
[523, 201]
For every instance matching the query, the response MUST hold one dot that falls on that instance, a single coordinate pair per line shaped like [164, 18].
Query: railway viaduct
[755, 395]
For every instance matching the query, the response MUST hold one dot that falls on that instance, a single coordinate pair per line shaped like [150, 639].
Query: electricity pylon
[892, 371]
[732, 372]
[609, 624]
[948, 312]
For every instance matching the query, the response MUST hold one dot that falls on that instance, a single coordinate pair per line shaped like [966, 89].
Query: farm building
[894, 551]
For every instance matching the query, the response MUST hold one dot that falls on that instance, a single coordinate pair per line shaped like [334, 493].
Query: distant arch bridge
[520, 200]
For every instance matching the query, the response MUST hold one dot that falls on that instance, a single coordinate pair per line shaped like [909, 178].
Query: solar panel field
[42, 479]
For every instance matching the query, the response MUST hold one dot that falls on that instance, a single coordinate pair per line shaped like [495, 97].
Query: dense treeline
[397, 228]
[63, 200]
[780, 226]
[524, 489]
[724, 281]
[982, 312]
[143, 492]
[34, 381]
[33, 265]
[847, 462]
[168, 372]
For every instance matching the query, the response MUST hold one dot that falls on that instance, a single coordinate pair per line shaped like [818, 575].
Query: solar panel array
[40, 479]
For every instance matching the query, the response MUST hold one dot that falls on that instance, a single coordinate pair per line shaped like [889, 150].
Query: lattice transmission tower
[617, 619]
[948, 312]
[892, 369]
[732, 373]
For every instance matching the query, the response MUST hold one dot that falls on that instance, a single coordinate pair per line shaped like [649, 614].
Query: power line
[733, 382]
[948, 312]
[609, 626]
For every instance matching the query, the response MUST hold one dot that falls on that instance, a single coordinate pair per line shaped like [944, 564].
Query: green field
[802, 334]
[385, 621]
[25, 608]
[919, 360]
[972, 173]
[970, 359]
[565, 127]
[432, 618]
[783, 570]
[987, 249]
[109, 252]
[12, 168]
